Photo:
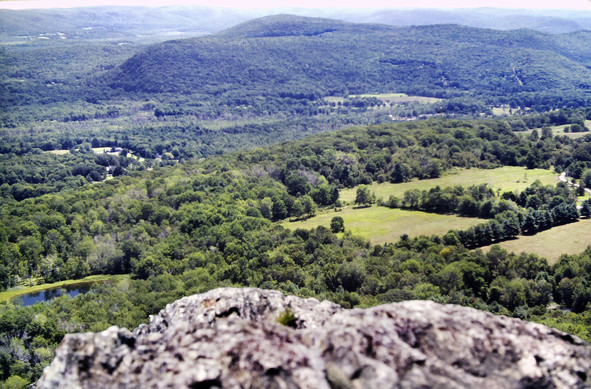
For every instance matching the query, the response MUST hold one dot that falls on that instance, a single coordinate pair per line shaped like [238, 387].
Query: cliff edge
[233, 338]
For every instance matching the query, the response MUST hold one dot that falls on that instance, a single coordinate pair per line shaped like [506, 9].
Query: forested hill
[125, 21]
[115, 22]
[292, 25]
[313, 57]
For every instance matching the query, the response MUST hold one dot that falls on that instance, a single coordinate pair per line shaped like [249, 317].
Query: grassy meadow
[501, 111]
[556, 130]
[507, 178]
[396, 98]
[571, 238]
[389, 98]
[559, 130]
[59, 152]
[384, 225]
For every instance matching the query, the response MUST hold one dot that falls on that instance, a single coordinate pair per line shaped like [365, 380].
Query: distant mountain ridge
[554, 21]
[286, 53]
[283, 25]
[119, 21]
[122, 21]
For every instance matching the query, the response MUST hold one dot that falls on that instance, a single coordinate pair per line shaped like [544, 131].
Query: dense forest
[293, 54]
[189, 227]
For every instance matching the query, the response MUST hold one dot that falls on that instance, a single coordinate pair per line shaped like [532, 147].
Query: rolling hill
[140, 22]
[110, 22]
[549, 21]
[292, 55]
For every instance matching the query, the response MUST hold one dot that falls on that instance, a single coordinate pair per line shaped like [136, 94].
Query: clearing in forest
[389, 98]
[384, 225]
[559, 130]
[396, 98]
[506, 178]
[569, 239]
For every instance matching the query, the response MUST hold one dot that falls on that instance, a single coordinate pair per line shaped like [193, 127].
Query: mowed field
[507, 178]
[389, 98]
[559, 130]
[59, 152]
[395, 98]
[384, 225]
[571, 238]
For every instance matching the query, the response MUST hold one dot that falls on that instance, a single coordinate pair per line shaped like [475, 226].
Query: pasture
[384, 225]
[59, 152]
[507, 178]
[396, 98]
[559, 130]
[570, 238]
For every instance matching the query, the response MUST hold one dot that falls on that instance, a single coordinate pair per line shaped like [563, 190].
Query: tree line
[193, 226]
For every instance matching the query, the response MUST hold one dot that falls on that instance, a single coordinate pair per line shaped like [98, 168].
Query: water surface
[48, 294]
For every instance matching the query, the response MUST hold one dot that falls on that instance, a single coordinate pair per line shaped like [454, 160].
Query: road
[562, 177]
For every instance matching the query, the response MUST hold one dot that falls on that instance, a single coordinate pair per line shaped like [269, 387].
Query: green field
[20, 290]
[571, 238]
[498, 111]
[507, 111]
[391, 98]
[59, 152]
[100, 150]
[384, 225]
[507, 178]
[96, 150]
[558, 130]
[394, 98]
[382, 95]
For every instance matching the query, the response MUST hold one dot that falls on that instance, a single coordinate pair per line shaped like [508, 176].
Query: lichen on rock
[231, 338]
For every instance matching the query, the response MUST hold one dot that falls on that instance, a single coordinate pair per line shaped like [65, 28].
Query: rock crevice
[232, 338]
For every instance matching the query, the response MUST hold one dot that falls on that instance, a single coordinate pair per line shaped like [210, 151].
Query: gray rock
[231, 338]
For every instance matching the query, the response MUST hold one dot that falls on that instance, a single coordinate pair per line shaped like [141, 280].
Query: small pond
[48, 294]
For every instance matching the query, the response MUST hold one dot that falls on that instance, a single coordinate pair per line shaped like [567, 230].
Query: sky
[254, 4]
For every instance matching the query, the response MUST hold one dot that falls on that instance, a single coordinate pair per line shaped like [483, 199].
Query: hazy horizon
[312, 4]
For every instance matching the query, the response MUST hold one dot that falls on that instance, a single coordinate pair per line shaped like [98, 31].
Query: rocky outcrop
[232, 338]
